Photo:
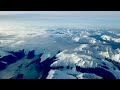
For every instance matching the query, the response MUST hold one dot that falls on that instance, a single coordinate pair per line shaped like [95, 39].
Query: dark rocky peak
[98, 71]
[2, 65]
[31, 54]
[40, 55]
[59, 51]
[19, 54]
[9, 59]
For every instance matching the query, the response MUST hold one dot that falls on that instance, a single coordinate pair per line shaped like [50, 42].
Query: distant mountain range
[60, 53]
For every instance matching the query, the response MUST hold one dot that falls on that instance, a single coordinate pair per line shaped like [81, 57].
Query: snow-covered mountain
[59, 53]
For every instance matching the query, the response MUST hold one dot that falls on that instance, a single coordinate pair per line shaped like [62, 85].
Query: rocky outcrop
[2, 65]
[19, 54]
[44, 67]
[98, 71]
[9, 59]
[31, 54]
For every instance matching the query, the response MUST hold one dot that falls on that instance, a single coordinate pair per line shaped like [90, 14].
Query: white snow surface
[109, 38]
[57, 74]
[77, 49]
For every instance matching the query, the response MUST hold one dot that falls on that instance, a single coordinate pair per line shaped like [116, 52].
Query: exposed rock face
[20, 54]
[2, 65]
[98, 71]
[9, 59]
[23, 68]
[12, 57]
[31, 54]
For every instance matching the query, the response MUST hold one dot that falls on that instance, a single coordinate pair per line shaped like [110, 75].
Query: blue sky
[84, 17]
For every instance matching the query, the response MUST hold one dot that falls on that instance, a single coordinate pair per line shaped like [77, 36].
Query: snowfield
[59, 53]
[109, 38]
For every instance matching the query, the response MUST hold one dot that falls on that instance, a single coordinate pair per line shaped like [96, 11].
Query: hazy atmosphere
[59, 44]
[104, 18]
